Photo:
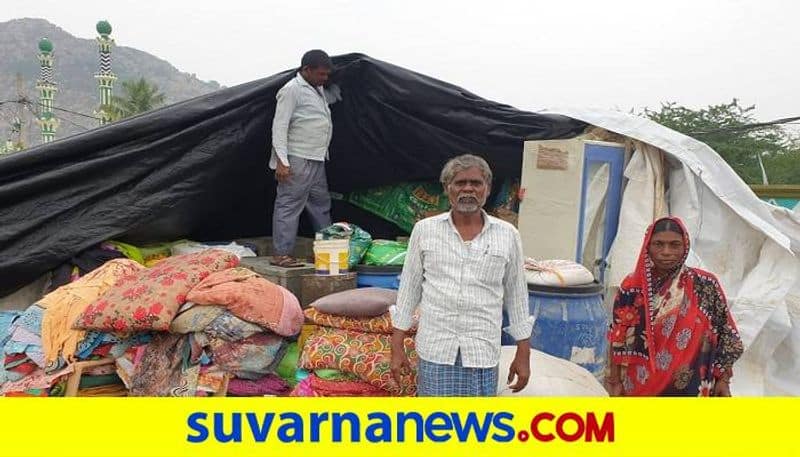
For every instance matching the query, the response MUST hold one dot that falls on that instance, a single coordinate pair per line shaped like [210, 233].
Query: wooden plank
[74, 380]
[777, 190]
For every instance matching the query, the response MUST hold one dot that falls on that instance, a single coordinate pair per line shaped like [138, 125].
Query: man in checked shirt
[462, 269]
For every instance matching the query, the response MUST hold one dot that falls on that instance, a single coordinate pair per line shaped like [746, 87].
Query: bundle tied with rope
[556, 273]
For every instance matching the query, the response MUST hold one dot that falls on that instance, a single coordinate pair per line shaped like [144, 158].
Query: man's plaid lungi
[435, 380]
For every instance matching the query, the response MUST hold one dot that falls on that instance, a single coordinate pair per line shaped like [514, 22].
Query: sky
[530, 54]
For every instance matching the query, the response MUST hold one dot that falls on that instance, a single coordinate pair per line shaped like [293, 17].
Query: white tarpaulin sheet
[753, 247]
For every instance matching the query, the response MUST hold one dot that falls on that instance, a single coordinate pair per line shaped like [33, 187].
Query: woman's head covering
[643, 274]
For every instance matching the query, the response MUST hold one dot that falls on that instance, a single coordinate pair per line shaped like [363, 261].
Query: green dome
[45, 45]
[47, 115]
[104, 28]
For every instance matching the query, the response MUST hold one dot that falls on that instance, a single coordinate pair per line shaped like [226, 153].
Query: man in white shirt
[301, 134]
[462, 269]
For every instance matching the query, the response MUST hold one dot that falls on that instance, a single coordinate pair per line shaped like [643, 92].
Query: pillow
[367, 355]
[252, 298]
[377, 324]
[365, 302]
[148, 299]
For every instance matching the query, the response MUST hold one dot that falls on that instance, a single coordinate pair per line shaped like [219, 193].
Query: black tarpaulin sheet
[198, 169]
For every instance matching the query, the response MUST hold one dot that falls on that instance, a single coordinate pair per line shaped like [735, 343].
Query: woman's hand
[722, 388]
[614, 387]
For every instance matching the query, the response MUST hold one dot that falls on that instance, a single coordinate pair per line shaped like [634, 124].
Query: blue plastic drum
[571, 323]
[387, 277]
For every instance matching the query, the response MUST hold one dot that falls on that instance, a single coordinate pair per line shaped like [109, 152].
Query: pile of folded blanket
[190, 325]
[346, 347]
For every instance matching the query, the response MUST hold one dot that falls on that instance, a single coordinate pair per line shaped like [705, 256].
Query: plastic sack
[402, 204]
[146, 255]
[155, 253]
[553, 377]
[287, 368]
[128, 250]
[558, 273]
[191, 247]
[360, 240]
[386, 252]
[407, 203]
[505, 202]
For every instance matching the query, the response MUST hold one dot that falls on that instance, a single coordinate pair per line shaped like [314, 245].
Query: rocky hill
[76, 61]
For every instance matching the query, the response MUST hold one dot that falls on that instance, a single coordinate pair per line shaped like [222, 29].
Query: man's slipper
[286, 261]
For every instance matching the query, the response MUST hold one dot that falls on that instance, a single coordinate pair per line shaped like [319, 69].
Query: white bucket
[331, 256]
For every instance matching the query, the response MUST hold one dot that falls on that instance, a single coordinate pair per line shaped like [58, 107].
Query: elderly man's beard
[468, 203]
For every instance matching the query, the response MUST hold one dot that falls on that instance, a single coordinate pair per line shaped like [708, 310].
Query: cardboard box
[317, 286]
[290, 278]
[303, 247]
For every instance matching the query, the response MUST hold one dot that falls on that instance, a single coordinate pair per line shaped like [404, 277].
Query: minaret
[16, 133]
[9, 145]
[105, 77]
[47, 91]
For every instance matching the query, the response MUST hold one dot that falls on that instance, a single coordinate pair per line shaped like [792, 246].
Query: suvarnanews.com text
[399, 427]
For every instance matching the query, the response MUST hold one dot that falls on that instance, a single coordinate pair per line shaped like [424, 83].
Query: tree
[139, 97]
[726, 128]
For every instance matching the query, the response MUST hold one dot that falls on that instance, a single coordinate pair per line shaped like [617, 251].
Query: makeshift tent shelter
[198, 169]
[752, 246]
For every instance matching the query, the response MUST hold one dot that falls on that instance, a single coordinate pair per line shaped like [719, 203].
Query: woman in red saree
[672, 333]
